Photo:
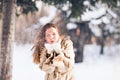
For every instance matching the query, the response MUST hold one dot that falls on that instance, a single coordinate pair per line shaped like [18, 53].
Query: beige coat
[64, 68]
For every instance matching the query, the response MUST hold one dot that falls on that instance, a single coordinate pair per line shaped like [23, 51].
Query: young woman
[54, 54]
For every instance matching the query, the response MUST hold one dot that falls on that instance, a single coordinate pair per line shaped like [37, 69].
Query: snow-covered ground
[94, 67]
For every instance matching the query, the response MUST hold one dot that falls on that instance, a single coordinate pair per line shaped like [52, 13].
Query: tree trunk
[7, 37]
[80, 36]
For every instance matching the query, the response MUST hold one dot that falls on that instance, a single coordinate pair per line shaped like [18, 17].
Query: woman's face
[51, 35]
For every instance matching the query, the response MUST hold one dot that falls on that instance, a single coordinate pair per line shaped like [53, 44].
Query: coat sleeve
[48, 68]
[68, 59]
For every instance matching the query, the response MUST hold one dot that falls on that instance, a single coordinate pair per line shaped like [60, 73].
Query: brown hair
[40, 40]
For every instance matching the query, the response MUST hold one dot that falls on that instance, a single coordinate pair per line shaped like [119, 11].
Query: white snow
[112, 13]
[71, 26]
[38, 4]
[86, 3]
[89, 15]
[95, 29]
[105, 20]
[94, 67]
[96, 21]
[51, 10]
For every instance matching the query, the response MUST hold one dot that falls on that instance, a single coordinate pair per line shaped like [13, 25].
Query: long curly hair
[40, 40]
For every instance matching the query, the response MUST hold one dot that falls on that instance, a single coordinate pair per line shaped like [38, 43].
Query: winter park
[92, 25]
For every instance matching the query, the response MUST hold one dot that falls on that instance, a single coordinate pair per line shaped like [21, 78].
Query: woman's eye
[48, 35]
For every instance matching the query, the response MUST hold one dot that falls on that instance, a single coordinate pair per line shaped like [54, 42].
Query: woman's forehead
[51, 30]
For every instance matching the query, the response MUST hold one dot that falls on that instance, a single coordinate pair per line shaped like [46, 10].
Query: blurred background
[92, 25]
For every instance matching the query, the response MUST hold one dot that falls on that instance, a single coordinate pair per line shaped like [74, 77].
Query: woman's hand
[58, 59]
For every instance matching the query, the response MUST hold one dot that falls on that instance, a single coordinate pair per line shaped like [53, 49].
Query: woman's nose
[51, 37]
